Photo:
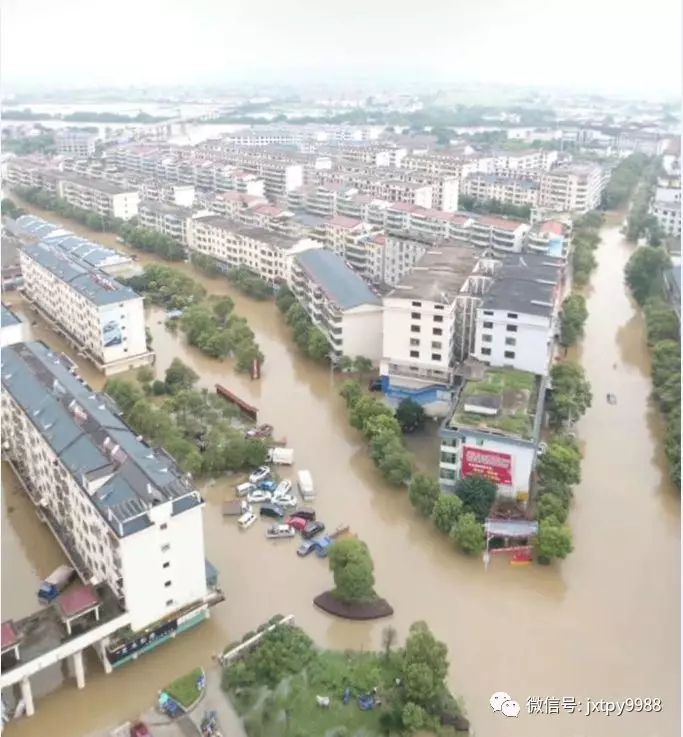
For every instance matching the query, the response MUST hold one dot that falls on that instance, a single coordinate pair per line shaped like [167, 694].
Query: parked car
[268, 485]
[272, 510]
[297, 523]
[306, 548]
[260, 474]
[244, 489]
[284, 487]
[284, 500]
[258, 497]
[307, 513]
[312, 529]
[246, 520]
[277, 532]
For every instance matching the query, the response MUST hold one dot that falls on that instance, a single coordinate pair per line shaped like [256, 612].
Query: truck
[304, 482]
[55, 583]
[281, 456]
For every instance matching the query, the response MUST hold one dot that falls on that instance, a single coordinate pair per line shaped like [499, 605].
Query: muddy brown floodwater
[603, 625]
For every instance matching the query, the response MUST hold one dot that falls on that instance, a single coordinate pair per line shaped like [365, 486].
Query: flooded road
[605, 624]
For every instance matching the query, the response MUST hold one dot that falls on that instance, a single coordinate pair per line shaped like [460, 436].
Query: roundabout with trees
[353, 596]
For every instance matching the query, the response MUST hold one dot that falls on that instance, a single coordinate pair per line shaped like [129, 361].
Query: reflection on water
[605, 624]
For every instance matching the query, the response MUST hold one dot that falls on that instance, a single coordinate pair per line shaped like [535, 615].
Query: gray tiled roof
[341, 284]
[85, 431]
[97, 287]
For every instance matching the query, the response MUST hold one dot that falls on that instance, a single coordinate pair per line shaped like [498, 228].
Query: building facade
[12, 329]
[572, 188]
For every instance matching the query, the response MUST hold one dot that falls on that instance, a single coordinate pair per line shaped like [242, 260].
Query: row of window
[509, 328]
[507, 354]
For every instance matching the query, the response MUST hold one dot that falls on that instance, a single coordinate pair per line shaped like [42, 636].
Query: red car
[140, 730]
[298, 523]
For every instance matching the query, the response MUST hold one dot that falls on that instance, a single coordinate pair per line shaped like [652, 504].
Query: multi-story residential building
[518, 164]
[232, 204]
[666, 206]
[170, 220]
[572, 188]
[98, 196]
[12, 329]
[172, 194]
[74, 142]
[671, 160]
[384, 259]
[103, 318]
[429, 321]
[517, 320]
[339, 302]
[231, 244]
[129, 517]
[501, 234]
[28, 172]
[448, 166]
[519, 192]
[549, 237]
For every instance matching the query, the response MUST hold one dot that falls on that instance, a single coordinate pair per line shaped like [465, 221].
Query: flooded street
[604, 624]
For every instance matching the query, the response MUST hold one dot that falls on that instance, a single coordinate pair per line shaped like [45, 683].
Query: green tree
[573, 318]
[477, 494]
[124, 393]
[180, 376]
[423, 648]
[553, 540]
[413, 718]
[284, 299]
[352, 568]
[666, 361]
[661, 322]
[223, 308]
[317, 348]
[362, 365]
[351, 391]
[396, 467]
[645, 273]
[158, 387]
[447, 509]
[560, 464]
[410, 415]
[345, 363]
[571, 394]
[145, 375]
[468, 534]
[389, 637]
[424, 492]
[381, 424]
[552, 505]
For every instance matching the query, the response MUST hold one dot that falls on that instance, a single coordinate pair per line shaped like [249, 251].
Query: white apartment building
[449, 166]
[517, 320]
[232, 204]
[81, 144]
[173, 194]
[671, 160]
[102, 317]
[510, 191]
[429, 318]
[126, 512]
[170, 220]
[385, 259]
[22, 172]
[549, 237]
[518, 164]
[339, 303]
[666, 205]
[98, 196]
[501, 234]
[12, 329]
[572, 188]
[234, 244]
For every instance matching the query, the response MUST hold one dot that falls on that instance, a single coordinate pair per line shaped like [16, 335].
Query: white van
[246, 520]
[304, 482]
[244, 489]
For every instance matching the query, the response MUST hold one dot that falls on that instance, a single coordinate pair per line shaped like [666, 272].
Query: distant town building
[74, 142]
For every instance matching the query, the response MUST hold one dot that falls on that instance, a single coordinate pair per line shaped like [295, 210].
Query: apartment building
[572, 188]
[232, 204]
[170, 220]
[74, 142]
[510, 191]
[127, 514]
[384, 259]
[12, 329]
[447, 166]
[100, 197]
[671, 159]
[666, 205]
[231, 244]
[346, 310]
[548, 237]
[26, 172]
[517, 320]
[518, 164]
[160, 191]
[498, 233]
[104, 319]
[429, 320]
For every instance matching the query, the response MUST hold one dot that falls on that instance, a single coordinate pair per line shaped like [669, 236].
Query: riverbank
[622, 581]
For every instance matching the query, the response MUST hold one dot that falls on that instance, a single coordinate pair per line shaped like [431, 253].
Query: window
[436, 356]
[438, 307]
[169, 602]
[436, 344]
[488, 325]
[414, 354]
[167, 584]
[513, 315]
[438, 318]
[414, 315]
[509, 354]
[437, 331]
[416, 304]
[163, 526]
[414, 341]
[485, 351]
[510, 341]
[486, 338]
[511, 328]
[167, 564]
[165, 547]
[488, 312]
[414, 328]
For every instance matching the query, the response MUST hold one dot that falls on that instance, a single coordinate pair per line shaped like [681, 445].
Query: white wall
[125, 206]
[294, 177]
[522, 460]
[143, 556]
[11, 334]
[531, 346]
[362, 332]
[449, 195]
[131, 320]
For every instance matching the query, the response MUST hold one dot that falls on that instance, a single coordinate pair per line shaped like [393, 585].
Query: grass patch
[185, 690]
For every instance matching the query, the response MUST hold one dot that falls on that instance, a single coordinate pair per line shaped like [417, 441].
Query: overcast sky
[599, 44]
